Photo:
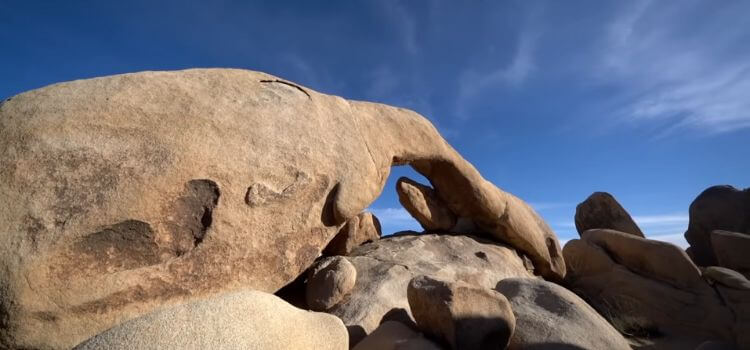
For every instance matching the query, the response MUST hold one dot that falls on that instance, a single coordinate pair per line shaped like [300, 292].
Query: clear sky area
[550, 100]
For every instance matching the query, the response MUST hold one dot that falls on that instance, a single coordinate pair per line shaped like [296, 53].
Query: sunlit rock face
[124, 193]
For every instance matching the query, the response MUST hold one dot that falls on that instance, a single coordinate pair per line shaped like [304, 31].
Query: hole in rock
[392, 215]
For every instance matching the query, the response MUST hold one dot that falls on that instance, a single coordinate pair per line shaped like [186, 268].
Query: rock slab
[549, 316]
[238, 321]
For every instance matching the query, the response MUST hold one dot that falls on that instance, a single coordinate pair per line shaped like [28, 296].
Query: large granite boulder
[717, 208]
[462, 316]
[601, 210]
[124, 193]
[385, 267]
[549, 316]
[649, 290]
[238, 321]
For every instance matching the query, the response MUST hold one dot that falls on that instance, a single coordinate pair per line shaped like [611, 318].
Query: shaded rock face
[735, 291]
[732, 250]
[385, 267]
[424, 205]
[549, 316]
[649, 290]
[363, 228]
[717, 208]
[328, 282]
[244, 320]
[463, 316]
[124, 193]
[601, 210]
[392, 335]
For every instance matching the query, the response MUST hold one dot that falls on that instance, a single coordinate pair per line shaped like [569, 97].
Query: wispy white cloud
[541, 206]
[658, 220]
[405, 23]
[471, 82]
[395, 220]
[391, 214]
[383, 82]
[684, 74]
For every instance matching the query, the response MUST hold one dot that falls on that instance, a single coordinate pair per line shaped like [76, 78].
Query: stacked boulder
[653, 291]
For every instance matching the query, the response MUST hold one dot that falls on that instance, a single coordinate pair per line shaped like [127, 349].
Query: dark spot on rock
[192, 215]
[481, 255]
[154, 290]
[123, 246]
[356, 334]
[34, 228]
[45, 316]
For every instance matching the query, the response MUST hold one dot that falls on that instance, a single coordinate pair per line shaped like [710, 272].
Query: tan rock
[726, 277]
[601, 210]
[732, 250]
[549, 316]
[392, 335]
[328, 282]
[424, 205]
[360, 229]
[385, 267]
[465, 317]
[243, 320]
[653, 259]
[717, 208]
[126, 193]
[648, 290]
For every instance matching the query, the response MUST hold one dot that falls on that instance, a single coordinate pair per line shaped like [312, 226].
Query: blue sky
[550, 100]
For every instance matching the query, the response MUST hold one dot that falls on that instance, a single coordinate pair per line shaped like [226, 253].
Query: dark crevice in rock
[287, 83]
[328, 217]
[193, 215]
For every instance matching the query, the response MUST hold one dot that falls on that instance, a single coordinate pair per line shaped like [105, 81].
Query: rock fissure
[288, 84]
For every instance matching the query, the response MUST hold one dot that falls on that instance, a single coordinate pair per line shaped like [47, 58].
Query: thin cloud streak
[656, 220]
[405, 23]
[472, 83]
[688, 83]
[542, 206]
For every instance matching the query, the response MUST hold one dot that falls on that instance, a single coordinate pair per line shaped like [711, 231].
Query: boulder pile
[163, 210]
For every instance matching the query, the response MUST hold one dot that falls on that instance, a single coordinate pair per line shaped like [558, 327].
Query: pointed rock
[602, 211]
